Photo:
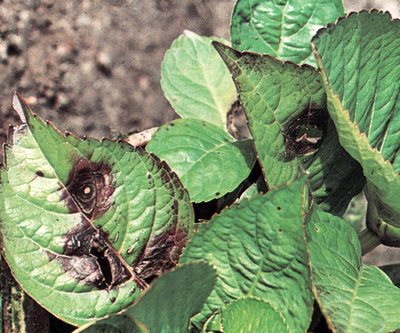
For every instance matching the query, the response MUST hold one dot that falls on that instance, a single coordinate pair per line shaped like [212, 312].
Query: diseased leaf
[282, 29]
[208, 161]
[258, 249]
[286, 108]
[359, 58]
[195, 80]
[166, 306]
[353, 297]
[86, 223]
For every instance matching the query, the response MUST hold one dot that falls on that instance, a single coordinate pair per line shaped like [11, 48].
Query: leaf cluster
[322, 106]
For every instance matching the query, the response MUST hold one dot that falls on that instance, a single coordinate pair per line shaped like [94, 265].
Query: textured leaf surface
[354, 297]
[360, 61]
[167, 305]
[208, 161]
[85, 222]
[252, 315]
[258, 249]
[277, 97]
[195, 80]
[282, 29]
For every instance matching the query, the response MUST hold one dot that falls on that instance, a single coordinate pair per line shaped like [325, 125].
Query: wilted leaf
[86, 223]
[166, 306]
[282, 29]
[208, 161]
[258, 249]
[353, 297]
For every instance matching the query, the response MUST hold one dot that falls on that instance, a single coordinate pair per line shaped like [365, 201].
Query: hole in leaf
[304, 134]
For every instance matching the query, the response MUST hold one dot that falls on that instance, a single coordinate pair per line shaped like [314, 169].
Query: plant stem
[368, 240]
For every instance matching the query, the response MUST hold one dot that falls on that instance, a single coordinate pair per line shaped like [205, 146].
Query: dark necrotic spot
[90, 187]
[91, 259]
[304, 134]
[83, 190]
[39, 173]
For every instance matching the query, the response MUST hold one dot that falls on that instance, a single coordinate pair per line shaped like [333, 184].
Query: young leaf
[195, 80]
[208, 161]
[282, 29]
[284, 103]
[166, 306]
[85, 223]
[360, 61]
[353, 297]
[258, 249]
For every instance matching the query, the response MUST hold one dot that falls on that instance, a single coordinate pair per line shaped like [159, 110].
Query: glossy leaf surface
[166, 306]
[258, 249]
[360, 61]
[208, 161]
[281, 100]
[282, 29]
[84, 222]
[195, 80]
[354, 297]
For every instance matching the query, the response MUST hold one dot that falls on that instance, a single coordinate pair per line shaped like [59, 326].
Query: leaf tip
[20, 106]
[190, 34]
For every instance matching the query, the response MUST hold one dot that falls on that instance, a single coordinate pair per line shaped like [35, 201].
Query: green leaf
[279, 99]
[85, 222]
[258, 249]
[208, 161]
[353, 297]
[282, 29]
[167, 305]
[121, 323]
[360, 61]
[195, 80]
[252, 315]
[355, 213]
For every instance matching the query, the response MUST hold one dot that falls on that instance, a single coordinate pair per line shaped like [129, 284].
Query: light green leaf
[82, 219]
[252, 315]
[353, 297]
[195, 80]
[258, 249]
[282, 29]
[284, 102]
[360, 61]
[208, 161]
[167, 305]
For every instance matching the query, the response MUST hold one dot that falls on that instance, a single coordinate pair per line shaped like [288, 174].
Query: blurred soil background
[93, 67]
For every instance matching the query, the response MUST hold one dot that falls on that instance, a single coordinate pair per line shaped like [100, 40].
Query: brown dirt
[92, 67]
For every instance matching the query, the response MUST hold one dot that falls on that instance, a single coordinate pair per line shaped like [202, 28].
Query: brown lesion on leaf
[89, 257]
[89, 188]
[161, 254]
[237, 122]
[164, 249]
[88, 253]
[304, 134]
